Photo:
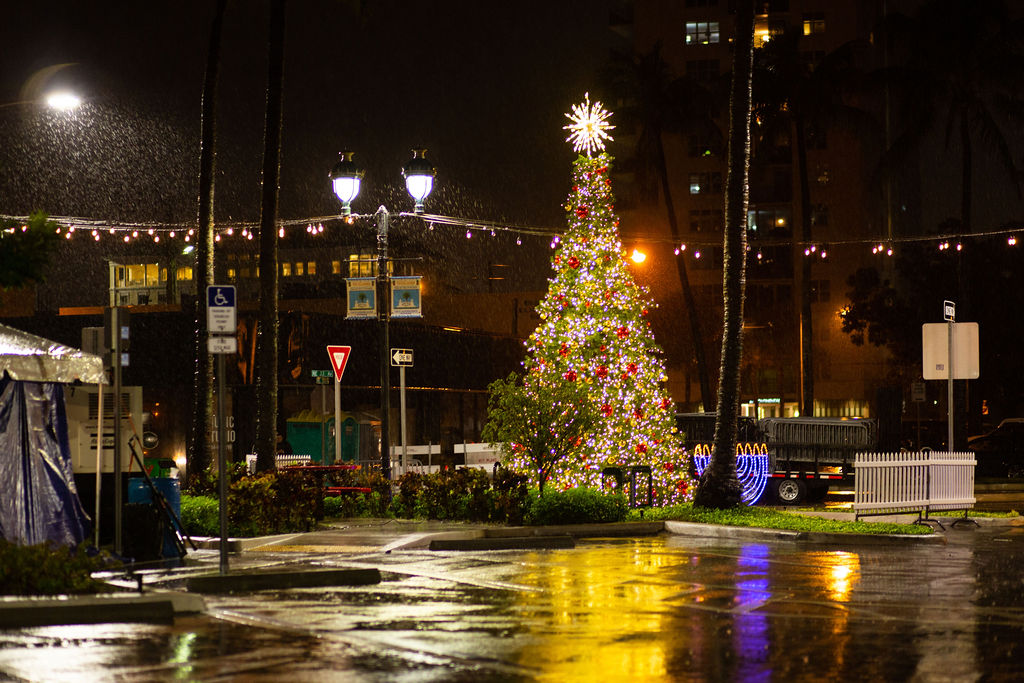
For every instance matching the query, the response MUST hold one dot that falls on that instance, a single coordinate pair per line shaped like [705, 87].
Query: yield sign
[339, 358]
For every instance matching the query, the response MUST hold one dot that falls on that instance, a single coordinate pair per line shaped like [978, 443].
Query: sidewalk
[264, 562]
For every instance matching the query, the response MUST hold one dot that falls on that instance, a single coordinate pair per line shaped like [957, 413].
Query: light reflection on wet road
[663, 608]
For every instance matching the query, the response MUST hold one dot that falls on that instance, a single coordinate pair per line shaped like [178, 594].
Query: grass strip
[766, 518]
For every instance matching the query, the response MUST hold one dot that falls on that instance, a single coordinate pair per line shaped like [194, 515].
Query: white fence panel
[952, 481]
[913, 482]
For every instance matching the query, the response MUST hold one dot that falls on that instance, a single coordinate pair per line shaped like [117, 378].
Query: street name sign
[221, 313]
[401, 358]
[339, 359]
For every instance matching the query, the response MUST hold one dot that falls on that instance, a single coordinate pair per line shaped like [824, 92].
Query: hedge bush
[576, 506]
[48, 569]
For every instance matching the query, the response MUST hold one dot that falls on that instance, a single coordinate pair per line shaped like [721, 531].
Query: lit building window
[286, 269]
[335, 267]
[814, 22]
[231, 273]
[299, 268]
[184, 274]
[706, 183]
[701, 32]
[311, 268]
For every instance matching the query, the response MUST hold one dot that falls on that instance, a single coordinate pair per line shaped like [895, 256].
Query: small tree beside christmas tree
[596, 337]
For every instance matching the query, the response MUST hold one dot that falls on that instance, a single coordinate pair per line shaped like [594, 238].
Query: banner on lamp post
[405, 297]
[362, 297]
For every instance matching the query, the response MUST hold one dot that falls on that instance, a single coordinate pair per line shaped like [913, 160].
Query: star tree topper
[589, 126]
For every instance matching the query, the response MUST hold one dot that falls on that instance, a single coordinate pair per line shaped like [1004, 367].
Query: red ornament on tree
[570, 376]
[582, 212]
[574, 262]
[623, 332]
[631, 368]
[638, 414]
[666, 404]
[641, 448]
[670, 466]
[602, 371]
[563, 350]
[606, 410]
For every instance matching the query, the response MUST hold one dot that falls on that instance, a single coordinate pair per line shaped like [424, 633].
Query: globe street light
[346, 177]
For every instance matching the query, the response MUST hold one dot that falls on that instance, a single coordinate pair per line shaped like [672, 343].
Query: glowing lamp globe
[346, 176]
[419, 177]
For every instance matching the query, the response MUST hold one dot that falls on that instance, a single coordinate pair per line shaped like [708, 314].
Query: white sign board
[935, 347]
[221, 314]
[222, 344]
[401, 358]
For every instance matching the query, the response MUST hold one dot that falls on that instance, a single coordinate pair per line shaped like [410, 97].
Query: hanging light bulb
[519, 241]
[1012, 240]
[468, 234]
[280, 231]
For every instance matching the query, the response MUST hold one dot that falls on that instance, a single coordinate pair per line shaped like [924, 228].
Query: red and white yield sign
[339, 359]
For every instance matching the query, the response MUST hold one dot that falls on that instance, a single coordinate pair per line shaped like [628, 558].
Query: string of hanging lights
[97, 229]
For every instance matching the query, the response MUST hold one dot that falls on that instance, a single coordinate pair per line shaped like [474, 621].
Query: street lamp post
[346, 177]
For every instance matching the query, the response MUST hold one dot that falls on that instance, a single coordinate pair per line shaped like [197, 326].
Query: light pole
[346, 177]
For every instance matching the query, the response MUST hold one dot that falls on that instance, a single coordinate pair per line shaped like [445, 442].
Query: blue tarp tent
[38, 499]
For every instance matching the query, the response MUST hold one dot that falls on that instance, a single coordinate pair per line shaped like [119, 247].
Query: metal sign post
[402, 359]
[221, 319]
[339, 356]
[949, 313]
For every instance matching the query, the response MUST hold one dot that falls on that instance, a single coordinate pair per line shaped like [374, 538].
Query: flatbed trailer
[807, 455]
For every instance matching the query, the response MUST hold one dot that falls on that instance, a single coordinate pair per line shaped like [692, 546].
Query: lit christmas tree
[595, 333]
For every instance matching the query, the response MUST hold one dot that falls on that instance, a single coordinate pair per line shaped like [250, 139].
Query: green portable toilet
[349, 440]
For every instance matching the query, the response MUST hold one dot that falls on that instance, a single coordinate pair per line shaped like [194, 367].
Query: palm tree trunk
[706, 397]
[202, 398]
[806, 326]
[266, 340]
[718, 487]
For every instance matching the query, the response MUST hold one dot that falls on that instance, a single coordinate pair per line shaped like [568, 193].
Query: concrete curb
[244, 583]
[816, 537]
[545, 542]
[152, 607]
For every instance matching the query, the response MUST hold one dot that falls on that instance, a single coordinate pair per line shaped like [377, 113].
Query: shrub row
[287, 502]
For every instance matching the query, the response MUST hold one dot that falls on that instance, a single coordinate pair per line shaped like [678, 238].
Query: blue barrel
[170, 488]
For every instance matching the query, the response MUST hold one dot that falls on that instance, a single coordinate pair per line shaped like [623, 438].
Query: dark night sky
[483, 85]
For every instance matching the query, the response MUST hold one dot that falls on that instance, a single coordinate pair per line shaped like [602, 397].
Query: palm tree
[266, 340]
[660, 104]
[959, 66]
[202, 399]
[718, 487]
[792, 97]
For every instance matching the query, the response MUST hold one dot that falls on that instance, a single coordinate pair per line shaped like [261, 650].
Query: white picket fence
[281, 460]
[913, 482]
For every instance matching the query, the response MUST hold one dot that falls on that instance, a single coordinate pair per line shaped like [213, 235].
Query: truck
[807, 455]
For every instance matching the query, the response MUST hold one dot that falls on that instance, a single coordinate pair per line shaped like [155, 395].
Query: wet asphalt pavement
[659, 608]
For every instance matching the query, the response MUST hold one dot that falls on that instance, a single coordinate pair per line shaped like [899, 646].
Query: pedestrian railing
[919, 482]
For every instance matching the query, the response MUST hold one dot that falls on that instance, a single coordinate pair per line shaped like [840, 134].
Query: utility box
[83, 411]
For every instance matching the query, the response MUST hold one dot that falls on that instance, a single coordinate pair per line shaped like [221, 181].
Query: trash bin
[170, 488]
